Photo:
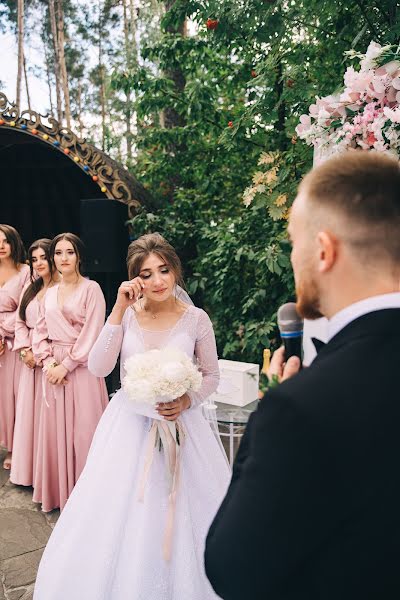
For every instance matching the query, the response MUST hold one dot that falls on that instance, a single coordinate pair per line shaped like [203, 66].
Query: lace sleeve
[104, 354]
[207, 360]
[105, 351]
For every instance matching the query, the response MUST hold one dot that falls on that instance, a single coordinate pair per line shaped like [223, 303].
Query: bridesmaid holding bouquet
[70, 319]
[13, 276]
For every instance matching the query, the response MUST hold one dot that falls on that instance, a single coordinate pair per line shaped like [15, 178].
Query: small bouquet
[160, 376]
[365, 113]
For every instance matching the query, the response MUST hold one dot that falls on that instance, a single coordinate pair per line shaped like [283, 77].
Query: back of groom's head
[359, 193]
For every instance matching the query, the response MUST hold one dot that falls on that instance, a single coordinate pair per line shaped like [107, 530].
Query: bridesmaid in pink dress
[71, 317]
[30, 391]
[13, 276]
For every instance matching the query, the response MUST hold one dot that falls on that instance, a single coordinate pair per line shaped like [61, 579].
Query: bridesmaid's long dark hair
[14, 239]
[36, 283]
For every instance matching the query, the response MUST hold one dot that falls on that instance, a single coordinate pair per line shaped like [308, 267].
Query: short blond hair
[363, 187]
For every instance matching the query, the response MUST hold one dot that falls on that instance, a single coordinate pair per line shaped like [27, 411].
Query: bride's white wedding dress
[107, 545]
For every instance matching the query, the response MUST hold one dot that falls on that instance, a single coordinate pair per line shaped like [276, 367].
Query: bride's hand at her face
[129, 292]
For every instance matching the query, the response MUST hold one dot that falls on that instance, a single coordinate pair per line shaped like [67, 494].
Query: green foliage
[227, 172]
[213, 117]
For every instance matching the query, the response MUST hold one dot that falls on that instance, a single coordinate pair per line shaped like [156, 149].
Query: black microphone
[291, 329]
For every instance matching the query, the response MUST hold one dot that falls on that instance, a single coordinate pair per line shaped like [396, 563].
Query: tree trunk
[130, 58]
[171, 117]
[20, 32]
[79, 103]
[102, 82]
[63, 66]
[57, 70]
[46, 61]
[27, 86]
[134, 10]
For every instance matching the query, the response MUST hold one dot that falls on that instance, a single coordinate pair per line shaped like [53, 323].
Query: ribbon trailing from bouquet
[171, 435]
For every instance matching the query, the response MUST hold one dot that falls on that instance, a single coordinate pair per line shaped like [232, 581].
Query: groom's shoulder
[328, 376]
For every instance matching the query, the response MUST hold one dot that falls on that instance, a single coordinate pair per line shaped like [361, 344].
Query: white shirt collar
[358, 309]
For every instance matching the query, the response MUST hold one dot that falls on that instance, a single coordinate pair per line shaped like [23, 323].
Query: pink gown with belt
[10, 365]
[29, 402]
[70, 412]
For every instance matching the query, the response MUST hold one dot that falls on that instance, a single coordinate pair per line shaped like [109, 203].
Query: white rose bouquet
[160, 376]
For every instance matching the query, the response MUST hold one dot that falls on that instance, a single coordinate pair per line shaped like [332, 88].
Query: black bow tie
[318, 344]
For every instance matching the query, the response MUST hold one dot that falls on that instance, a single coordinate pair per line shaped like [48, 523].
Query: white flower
[169, 373]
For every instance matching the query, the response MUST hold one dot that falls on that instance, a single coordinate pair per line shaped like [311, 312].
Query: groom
[313, 509]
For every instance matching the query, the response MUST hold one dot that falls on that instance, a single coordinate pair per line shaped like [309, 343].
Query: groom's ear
[327, 248]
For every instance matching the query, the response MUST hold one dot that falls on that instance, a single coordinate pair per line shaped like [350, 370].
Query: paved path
[24, 531]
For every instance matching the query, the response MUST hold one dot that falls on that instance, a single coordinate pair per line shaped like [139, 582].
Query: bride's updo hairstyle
[153, 243]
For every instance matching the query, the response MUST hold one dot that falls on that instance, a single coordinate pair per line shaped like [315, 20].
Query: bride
[109, 543]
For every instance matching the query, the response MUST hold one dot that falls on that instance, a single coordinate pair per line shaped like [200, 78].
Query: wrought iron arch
[112, 178]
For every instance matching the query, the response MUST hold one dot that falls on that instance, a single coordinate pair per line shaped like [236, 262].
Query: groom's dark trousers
[313, 509]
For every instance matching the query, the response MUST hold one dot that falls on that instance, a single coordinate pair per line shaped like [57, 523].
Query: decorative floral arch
[364, 114]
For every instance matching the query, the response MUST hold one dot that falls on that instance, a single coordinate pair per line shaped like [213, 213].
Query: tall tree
[129, 20]
[174, 72]
[47, 65]
[57, 64]
[101, 74]
[28, 96]
[20, 35]
[61, 57]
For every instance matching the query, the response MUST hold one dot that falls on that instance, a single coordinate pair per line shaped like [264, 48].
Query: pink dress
[70, 412]
[10, 365]
[29, 402]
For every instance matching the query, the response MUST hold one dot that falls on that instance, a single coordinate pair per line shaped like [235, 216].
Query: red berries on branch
[230, 123]
[212, 24]
[253, 73]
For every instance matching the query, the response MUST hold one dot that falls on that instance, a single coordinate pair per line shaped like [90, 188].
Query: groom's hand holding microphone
[286, 361]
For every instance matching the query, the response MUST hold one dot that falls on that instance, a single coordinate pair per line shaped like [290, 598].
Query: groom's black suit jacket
[313, 509]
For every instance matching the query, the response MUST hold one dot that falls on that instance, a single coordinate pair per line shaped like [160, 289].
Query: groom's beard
[308, 303]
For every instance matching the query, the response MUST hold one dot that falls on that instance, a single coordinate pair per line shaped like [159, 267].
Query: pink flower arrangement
[364, 114]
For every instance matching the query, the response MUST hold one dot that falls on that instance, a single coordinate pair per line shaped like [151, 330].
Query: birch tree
[20, 35]
[61, 58]
[57, 69]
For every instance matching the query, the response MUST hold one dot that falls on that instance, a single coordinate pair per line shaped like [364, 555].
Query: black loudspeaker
[105, 235]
